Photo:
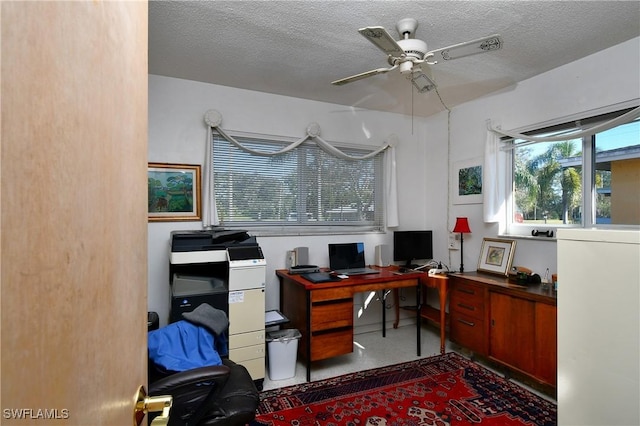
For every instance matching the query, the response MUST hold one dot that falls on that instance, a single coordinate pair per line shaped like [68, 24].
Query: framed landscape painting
[174, 192]
[467, 180]
[496, 256]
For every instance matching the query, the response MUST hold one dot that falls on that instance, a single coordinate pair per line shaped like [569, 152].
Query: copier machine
[225, 268]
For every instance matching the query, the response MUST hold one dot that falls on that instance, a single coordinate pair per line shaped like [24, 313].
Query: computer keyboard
[357, 271]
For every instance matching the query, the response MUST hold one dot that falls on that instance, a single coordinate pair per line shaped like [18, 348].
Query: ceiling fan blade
[481, 45]
[382, 40]
[362, 75]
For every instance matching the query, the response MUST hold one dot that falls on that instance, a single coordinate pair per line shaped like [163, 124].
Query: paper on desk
[273, 316]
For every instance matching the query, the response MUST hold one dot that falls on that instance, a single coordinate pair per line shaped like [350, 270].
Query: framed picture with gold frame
[174, 192]
[496, 256]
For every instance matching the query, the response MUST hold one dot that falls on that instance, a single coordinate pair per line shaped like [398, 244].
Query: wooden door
[74, 225]
[512, 331]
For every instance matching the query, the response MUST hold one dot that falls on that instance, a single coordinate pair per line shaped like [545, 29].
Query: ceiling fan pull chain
[412, 102]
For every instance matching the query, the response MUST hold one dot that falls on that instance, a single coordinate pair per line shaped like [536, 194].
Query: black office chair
[206, 396]
[218, 395]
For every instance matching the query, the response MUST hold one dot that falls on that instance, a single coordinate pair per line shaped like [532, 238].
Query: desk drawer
[250, 352]
[468, 300]
[331, 294]
[468, 332]
[468, 307]
[329, 344]
[246, 339]
[328, 315]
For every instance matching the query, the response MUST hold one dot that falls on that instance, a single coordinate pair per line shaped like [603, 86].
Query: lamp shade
[462, 226]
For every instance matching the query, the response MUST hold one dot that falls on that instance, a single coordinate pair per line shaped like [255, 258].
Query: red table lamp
[462, 226]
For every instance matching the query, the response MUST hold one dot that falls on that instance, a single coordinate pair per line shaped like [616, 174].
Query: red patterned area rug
[441, 390]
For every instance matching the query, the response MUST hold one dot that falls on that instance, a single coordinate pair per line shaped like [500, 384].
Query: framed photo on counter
[496, 256]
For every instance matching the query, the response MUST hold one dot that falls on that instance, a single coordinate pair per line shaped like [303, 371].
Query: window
[304, 187]
[548, 183]
[617, 175]
[577, 182]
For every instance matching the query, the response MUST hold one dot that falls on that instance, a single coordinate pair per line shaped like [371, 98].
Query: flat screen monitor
[409, 246]
[346, 256]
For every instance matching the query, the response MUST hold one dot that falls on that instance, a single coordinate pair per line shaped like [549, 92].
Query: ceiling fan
[409, 53]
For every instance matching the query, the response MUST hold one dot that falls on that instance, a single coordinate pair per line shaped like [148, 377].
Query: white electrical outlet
[454, 241]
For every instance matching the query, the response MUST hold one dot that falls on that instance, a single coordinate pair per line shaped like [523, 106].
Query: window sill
[525, 232]
[528, 237]
[294, 231]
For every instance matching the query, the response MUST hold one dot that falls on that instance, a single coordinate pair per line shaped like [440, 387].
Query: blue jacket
[184, 346]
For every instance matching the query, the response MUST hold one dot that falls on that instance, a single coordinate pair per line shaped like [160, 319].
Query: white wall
[600, 80]
[177, 134]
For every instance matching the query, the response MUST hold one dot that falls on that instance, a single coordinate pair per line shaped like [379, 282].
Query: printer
[198, 268]
[226, 269]
[190, 247]
[190, 291]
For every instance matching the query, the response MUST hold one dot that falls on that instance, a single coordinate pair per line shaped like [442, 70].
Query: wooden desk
[323, 313]
[438, 316]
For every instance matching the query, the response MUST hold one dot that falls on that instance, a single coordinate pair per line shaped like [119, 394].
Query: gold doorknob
[151, 404]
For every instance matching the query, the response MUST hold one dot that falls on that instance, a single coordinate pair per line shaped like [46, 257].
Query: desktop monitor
[409, 246]
[346, 256]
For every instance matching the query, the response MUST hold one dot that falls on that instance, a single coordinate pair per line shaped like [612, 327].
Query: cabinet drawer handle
[468, 307]
[466, 290]
[470, 324]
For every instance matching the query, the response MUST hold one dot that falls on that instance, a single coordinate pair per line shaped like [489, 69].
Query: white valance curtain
[213, 119]
[494, 184]
[573, 134]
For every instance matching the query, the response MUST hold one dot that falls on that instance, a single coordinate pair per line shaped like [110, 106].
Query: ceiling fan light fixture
[422, 82]
[406, 67]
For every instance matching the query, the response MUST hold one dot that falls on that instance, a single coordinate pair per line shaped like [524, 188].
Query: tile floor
[371, 350]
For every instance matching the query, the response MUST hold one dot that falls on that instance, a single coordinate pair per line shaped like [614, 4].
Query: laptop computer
[348, 259]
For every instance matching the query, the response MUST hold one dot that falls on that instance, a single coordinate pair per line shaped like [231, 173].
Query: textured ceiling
[296, 48]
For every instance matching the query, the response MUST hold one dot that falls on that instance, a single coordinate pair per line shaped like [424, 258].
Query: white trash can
[282, 347]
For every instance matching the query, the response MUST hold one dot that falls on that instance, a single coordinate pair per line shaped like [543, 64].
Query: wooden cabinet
[546, 341]
[523, 335]
[467, 315]
[512, 331]
[514, 326]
